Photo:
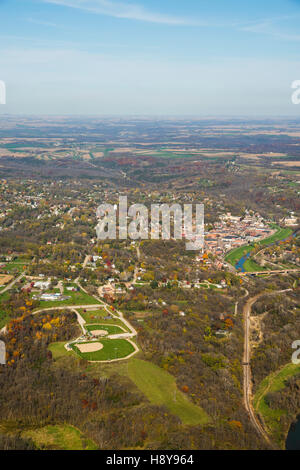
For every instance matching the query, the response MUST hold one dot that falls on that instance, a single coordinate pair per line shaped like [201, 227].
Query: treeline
[207, 368]
[15, 443]
[288, 400]
[280, 328]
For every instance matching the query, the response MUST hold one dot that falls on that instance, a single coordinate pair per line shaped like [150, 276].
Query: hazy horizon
[106, 57]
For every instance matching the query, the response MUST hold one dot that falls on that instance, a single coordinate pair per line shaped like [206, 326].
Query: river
[240, 263]
[293, 438]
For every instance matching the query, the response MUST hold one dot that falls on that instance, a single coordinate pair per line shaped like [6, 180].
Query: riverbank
[240, 257]
[271, 417]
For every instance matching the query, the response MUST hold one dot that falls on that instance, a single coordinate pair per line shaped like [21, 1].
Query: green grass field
[4, 318]
[234, 255]
[273, 383]
[60, 437]
[97, 316]
[112, 349]
[281, 234]
[58, 350]
[14, 267]
[93, 316]
[251, 266]
[155, 383]
[160, 388]
[111, 329]
[77, 298]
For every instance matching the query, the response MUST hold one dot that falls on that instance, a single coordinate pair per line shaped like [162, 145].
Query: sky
[150, 57]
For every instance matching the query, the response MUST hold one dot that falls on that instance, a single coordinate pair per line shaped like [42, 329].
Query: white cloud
[269, 27]
[41, 22]
[122, 10]
[134, 11]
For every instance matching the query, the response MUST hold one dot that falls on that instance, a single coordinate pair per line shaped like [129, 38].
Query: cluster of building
[46, 297]
[233, 231]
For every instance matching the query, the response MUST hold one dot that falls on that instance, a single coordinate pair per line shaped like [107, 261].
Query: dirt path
[86, 260]
[120, 315]
[60, 286]
[246, 364]
[80, 320]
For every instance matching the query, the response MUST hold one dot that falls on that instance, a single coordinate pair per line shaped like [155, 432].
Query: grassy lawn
[14, 267]
[76, 298]
[281, 234]
[96, 315]
[273, 383]
[155, 383]
[4, 318]
[93, 316]
[160, 388]
[233, 256]
[111, 329]
[60, 437]
[112, 349]
[58, 350]
[251, 266]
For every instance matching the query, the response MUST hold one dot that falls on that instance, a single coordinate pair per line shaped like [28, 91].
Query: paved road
[9, 286]
[80, 320]
[277, 271]
[86, 260]
[120, 315]
[246, 364]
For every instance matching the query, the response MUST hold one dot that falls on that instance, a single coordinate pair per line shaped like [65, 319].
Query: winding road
[246, 365]
[126, 335]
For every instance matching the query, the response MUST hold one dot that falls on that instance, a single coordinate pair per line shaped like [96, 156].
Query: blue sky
[170, 57]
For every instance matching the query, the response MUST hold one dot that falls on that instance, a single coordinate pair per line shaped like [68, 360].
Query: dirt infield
[99, 332]
[89, 347]
[5, 279]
